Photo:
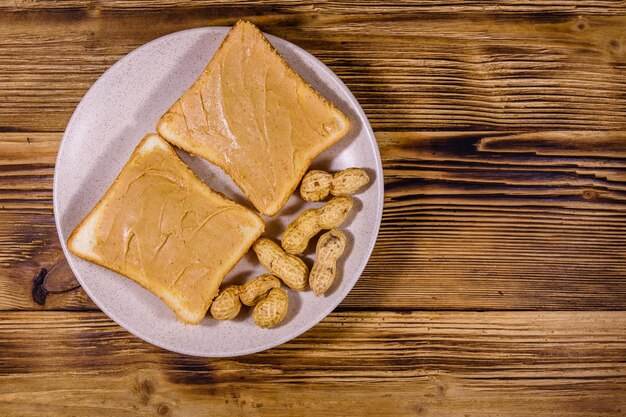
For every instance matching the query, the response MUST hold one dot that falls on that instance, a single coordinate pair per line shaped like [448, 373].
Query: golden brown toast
[252, 115]
[162, 227]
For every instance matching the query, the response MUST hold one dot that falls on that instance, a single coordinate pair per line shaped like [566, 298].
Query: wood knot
[590, 195]
[614, 45]
[39, 293]
[57, 279]
[163, 409]
[581, 26]
[60, 278]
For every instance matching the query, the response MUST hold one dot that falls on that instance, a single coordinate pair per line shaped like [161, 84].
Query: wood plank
[555, 8]
[414, 364]
[434, 68]
[471, 221]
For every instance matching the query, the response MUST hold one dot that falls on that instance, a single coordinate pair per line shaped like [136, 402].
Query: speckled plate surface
[124, 105]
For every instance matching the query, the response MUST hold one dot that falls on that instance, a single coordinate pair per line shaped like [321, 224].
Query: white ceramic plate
[124, 105]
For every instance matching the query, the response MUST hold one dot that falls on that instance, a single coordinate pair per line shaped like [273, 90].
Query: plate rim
[280, 340]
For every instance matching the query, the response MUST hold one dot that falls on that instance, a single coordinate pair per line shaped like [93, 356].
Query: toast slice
[253, 116]
[162, 227]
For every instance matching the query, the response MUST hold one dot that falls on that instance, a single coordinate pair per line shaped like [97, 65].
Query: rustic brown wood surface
[497, 285]
[357, 363]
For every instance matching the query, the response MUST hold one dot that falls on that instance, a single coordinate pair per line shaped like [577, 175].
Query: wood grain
[578, 144]
[555, 8]
[502, 128]
[471, 221]
[29, 243]
[435, 66]
[416, 364]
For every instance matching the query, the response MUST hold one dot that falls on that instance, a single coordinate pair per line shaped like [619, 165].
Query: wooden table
[498, 283]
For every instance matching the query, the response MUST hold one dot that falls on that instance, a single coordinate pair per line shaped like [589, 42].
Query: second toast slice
[252, 115]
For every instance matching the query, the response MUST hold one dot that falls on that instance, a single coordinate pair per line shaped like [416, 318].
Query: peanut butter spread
[168, 231]
[252, 115]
